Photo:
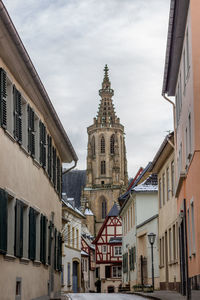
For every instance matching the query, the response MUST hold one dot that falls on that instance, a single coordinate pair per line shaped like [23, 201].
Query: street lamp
[151, 238]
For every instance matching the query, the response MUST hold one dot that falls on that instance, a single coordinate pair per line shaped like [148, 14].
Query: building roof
[83, 253]
[149, 185]
[115, 239]
[73, 183]
[163, 152]
[61, 139]
[88, 212]
[114, 212]
[175, 38]
[75, 210]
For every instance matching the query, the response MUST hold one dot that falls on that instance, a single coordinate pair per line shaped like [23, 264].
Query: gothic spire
[106, 113]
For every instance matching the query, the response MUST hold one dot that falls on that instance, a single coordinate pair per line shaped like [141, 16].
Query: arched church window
[93, 146]
[102, 144]
[103, 167]
[104, 208]
[112, 144]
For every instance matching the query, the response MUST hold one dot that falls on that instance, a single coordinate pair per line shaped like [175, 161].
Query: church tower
[106, 160]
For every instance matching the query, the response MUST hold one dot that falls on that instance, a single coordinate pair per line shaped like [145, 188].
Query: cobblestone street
[102, 296]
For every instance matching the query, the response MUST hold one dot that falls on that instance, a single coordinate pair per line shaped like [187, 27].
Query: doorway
[75, 277]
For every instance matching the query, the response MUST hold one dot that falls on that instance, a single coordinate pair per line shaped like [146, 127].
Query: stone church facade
[106, 175]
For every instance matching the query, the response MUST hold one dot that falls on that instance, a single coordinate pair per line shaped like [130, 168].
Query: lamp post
[151, 238]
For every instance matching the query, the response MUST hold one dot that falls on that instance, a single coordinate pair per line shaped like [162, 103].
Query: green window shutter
[134, 257]
[31, 131]
[54, 167]
[50, 242]
[61, 181]
[130, 259]
[49, 154]
[43, 224]
[17, 111]
[55, 249]
[3, 221]
[32, 234]
[42, 144]
[58, 176]
[18, 247]
[3, 94]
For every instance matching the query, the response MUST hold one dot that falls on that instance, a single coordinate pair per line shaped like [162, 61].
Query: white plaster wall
[146, 206]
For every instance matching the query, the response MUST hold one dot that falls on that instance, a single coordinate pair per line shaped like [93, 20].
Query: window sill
[24, 150]
[24, 260]
[9, 257]
[161, 266]
[37, 263]
[36, 163]
[10, 136]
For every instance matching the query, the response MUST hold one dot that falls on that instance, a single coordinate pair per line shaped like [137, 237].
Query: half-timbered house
[87, 260]
[108, 253]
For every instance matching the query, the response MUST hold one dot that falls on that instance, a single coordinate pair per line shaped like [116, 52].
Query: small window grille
[112, 144]
[102, 144]
[103, 167]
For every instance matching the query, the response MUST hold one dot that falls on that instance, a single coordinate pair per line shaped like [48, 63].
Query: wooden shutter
[18, 247]
[49, 154]
[50, 242]
[55, 249]
[32, 234]
[3, 94]
[58, 176]
[42, 144]
[107, 271]
[3, 221]
[43, 226]
[31, 131]
[17, 111]
[59, 252]
[54, 167]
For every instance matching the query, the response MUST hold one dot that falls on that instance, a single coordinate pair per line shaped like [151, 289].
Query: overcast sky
[70, 41]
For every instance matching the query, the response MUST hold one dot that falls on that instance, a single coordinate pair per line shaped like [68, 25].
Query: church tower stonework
[106, 161]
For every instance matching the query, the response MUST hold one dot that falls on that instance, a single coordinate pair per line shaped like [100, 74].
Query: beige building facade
[33, 145]
[164, 165]
[106, 159]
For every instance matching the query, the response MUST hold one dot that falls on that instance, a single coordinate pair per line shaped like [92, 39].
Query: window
[193, 228]
[190, 136]
[59, 176]
[103, 167]
[117, 250]
[86, 265]
[107, 271]
[170, 245]
[160, 248]
[68, 234]
[54, 166]
[24, 124]
[163, 182]
[31, 131]
[186, 144]
[112, 144]
[18, 247]
[97, 272]
[104, 208]
[174, 243]
[68, 274]
[32, 234]
[43, 237]
[187, 54]
[9, 104]
[77, 238]
[116, 271]
[17, 112]
[42, 144]
[102, 144]
[73, 236]
[104, 249]
[3, 221]
[49, 156]
[168, 187]
[172, 178]
[163, 251]
[3, 100]
[160, 193]
[18, 288]
[93, 146]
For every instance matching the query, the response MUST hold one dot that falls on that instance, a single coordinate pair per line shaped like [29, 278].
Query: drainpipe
[66, 171]
[174, 119]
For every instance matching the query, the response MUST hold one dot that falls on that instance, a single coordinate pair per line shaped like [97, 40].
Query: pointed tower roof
[106, 113]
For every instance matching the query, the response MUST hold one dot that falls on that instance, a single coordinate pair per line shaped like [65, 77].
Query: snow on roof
[84, 253]
[88, 212]
[149, 185]
[73, 208]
